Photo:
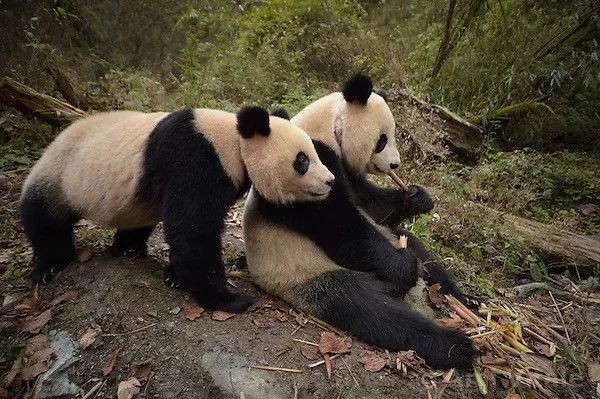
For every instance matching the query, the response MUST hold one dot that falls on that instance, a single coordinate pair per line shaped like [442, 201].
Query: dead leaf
[35, 344]
[29, 304]
[310, 352]
[30, 372]
[65, 297]
[433, 293]
[12, 377]
[219, 315]
[280, 316]
[110, 363]
[128, 389]
[594, 372]
[142, 371]
[331, 343]
[88, 337]
[192, 312]
[84, 254]
[34, 325]
[41, 356]
[372, 361]
[264, 321]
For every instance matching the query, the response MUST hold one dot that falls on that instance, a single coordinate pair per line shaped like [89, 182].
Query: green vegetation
[527, 71]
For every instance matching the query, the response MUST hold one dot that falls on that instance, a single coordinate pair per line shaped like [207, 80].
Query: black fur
[342, 232]
[435, 273]
[251, 120]
[131, 243]
[49, 226]
[389, 206]
[281, 113]
[184, 178]
[363, 306]
[358, 88]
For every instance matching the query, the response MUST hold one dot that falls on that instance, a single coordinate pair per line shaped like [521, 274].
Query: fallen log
[31, 102]
[433, 132]
[544, 238]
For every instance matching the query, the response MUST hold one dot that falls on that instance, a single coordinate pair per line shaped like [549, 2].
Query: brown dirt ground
[123, 295]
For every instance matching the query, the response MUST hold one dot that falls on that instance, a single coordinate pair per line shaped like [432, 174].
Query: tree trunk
[32, 102]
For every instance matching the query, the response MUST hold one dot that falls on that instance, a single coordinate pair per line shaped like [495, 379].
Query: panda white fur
[330, 258]
[130, 170]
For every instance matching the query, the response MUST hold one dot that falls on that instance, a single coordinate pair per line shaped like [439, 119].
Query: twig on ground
[129, 332]
[273, 368]
[562, 320]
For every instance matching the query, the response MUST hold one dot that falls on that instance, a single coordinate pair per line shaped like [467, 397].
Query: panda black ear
[358, 88]
[251, 120]
[383, 94]
[281, 112]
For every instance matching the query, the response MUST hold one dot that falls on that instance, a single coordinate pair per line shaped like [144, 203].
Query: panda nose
[330, 182]
[393, 165]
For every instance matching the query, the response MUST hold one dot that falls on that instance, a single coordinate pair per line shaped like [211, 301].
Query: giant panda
[358, 125]
[330, 258]
[130, 170]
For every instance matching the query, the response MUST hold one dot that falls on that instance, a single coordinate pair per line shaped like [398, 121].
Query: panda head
[280, 158]
[367, 129]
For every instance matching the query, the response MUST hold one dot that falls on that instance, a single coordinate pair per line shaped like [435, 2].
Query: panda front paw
[420, 201]
[169, 278]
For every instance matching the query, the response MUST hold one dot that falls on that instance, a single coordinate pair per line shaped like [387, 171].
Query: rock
[55, 382]
[9, 300]
[232, 375]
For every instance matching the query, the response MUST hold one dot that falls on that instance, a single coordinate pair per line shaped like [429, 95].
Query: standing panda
[330, 258]
[359, 127]
[130, 170]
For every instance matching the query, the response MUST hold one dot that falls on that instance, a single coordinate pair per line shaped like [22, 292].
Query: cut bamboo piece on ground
[273, 368]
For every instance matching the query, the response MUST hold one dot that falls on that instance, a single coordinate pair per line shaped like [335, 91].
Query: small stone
[9, 300]
[175, 310]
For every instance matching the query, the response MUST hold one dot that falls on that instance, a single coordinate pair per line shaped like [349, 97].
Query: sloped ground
[145, 321]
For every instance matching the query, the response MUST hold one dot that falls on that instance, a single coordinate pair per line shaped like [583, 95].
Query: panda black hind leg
[132, 242]
[364, 306]
[48, 225]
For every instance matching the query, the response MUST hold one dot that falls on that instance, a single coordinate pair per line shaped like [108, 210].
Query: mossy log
[31, 102]
[545, 238]
[434, 132]
[510, 111]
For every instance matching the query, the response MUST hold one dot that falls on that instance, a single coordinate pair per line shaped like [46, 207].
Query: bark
[434, 133]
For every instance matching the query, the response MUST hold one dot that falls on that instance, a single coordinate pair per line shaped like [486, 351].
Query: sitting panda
[330, 258]
[358, 126]
[130, 170]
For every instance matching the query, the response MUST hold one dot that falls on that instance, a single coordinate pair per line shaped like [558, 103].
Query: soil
[202, 358]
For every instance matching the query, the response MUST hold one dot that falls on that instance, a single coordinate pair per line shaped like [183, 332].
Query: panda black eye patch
[381, 143]
[301, 163]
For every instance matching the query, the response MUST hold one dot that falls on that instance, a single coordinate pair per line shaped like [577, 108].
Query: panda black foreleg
[363, 306]
[195, 263]
[132, 243]
[49, 228]
[435, 273]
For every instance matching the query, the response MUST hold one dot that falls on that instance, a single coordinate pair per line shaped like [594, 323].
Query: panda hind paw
[235, 303]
